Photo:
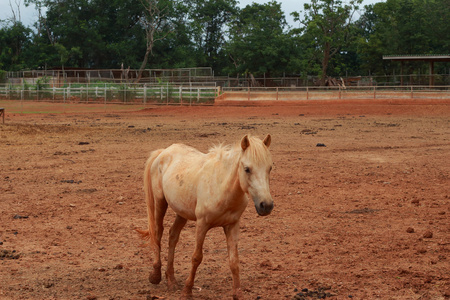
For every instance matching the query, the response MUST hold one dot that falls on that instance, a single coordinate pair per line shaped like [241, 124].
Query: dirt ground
[361, 195]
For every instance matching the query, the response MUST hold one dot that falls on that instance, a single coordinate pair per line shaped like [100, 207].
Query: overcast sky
[29, 15]
[289, 6]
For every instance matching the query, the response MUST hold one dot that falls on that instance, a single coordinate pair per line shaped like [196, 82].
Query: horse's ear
[267, 140]
[245, 142]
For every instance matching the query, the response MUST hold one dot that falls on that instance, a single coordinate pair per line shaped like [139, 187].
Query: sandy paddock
[364, 216]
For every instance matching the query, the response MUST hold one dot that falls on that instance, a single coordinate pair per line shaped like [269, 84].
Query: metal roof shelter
[431, 58]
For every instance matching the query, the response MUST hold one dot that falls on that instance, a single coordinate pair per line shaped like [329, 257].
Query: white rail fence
[334, 93]
[201, 95]
[112, 94]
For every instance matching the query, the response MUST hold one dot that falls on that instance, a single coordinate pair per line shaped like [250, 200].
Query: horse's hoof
[155, 278]
[238, 297]
[173, 286]
[186, 295]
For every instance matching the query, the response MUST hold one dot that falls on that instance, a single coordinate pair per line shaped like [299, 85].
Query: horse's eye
[247, 170]
[270, 170]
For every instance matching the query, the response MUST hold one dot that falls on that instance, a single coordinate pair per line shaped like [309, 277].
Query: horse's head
[254, 169]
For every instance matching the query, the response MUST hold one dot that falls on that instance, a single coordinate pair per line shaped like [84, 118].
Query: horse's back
[180, 155]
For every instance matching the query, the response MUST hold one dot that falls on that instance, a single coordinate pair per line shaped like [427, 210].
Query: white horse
[210, 189]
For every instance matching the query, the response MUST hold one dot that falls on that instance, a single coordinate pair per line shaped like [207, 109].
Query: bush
[42, 83]
[2, 76]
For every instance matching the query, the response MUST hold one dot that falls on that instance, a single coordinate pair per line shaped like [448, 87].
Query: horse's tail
[150, 201]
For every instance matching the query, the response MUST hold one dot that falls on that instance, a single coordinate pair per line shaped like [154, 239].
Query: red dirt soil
[364, 216]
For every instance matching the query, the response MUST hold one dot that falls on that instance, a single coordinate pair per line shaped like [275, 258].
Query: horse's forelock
[258, 151]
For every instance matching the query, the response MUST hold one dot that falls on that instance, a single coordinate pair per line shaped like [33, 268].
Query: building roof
[423, 57]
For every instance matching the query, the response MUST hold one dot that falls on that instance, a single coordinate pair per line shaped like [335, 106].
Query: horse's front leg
[197, 258]
[232, 234]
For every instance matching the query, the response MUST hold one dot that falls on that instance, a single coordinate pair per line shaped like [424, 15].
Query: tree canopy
[258, 41]
[331, 38]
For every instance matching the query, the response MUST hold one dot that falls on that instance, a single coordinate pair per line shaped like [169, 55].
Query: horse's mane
[257, 150]
[220, 150]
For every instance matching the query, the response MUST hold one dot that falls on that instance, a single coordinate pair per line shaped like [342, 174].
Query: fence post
[181, 95]
[412, 92]
[374, 92]
[277, 94]
[88, 90]
[307, 93]
[248, 94]
[145, 94]
[198, 94]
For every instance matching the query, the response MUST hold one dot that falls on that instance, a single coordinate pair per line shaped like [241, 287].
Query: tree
[110, 33]
[121, 36]
[15, 39]
[156, 24]
[107, 32]
[65, 54]
[327, 23]
[209, 22]
[258, 43]
[403, 27]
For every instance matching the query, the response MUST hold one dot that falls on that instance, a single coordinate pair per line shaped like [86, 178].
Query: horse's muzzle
[264, 208]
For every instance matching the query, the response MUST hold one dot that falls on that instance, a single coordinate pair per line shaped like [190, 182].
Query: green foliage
[209, 18]
[258, 41]
[42, 83]
[327, 26]
[3, 76]
[14, 40]
[403, 27]
[330, 40]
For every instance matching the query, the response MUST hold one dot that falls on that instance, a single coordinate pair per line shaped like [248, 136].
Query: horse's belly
[182, 210]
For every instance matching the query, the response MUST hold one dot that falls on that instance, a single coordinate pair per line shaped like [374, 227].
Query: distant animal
[212, 189]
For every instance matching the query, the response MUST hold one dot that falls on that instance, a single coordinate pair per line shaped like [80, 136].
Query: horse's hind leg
[174, 235]
[160, 212]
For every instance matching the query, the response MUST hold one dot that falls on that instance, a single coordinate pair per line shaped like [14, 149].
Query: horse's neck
[232, 161]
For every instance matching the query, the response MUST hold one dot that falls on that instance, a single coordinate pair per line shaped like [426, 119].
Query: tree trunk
[144, 63]
[325, 61]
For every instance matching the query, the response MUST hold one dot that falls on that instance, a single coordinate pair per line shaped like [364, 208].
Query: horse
[212, 189]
